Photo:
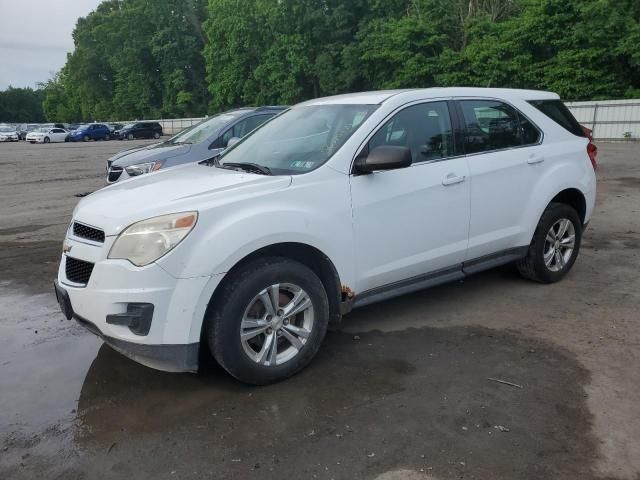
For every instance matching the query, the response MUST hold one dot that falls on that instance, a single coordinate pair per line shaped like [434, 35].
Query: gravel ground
[399, 392]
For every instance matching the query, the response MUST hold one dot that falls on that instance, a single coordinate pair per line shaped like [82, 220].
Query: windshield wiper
[248, 166]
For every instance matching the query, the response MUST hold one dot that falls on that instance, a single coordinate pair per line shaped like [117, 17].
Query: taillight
[592, 150]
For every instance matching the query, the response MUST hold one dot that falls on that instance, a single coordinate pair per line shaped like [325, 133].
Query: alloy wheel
[277, 324]
[559, 244]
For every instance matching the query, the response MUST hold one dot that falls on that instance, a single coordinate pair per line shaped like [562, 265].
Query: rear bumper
[166, 357]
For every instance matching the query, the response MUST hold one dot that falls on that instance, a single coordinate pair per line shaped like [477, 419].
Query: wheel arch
[310, 256]
[575, 199]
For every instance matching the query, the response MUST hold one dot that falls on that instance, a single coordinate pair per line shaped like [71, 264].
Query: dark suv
[139, 130]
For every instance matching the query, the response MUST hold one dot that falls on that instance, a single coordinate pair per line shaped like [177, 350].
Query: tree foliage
[143, 58]
[21, 105]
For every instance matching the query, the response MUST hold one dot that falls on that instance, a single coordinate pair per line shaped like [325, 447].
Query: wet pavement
[401, 390]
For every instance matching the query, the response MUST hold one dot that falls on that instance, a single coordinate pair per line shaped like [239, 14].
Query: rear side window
[492, 125]
[559, 113]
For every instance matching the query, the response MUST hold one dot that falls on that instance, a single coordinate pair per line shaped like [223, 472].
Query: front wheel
[46, 140]
[555, 245]
[130, 136]
[268, 321]
[85, 138]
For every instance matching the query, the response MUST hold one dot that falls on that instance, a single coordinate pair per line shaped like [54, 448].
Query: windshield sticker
[301, 164]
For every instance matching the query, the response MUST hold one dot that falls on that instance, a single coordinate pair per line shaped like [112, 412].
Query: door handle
[452, 179]
[533, 159]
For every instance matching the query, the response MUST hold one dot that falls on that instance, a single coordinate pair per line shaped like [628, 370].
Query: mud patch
[416, 400]
[628, 182]
[22, 229]
[30, 264]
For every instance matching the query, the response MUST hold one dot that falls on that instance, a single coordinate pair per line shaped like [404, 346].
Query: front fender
[315, 212]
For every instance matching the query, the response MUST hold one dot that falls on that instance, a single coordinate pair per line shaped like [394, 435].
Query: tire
[534, 266]
[46, 140]
[85, 138]
[156, 135]
[230, 315]
[130, 136]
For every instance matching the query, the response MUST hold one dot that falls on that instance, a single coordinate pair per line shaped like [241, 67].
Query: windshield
[42, 129]
[128, 125]
[203, 130]
[300, 139]
[7, 129]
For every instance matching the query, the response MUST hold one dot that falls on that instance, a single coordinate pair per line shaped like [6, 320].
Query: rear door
[58, 135]
[502, 148]
[413, 221]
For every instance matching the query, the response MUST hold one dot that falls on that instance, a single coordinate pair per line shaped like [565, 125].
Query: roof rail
[271, 107]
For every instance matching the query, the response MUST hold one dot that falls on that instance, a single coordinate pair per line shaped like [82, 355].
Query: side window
[58, 130]
[493, 125]
[252, 123]
[530, 134]
[424, 128]
[226, 136]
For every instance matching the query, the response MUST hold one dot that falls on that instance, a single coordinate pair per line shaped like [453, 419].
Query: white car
[46, 135]
[334, 204]
[8, 134]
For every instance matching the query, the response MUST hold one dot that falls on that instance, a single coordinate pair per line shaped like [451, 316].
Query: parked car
[334, 204]
[113, 128]
[25, 129]
[199, 142]
[139, 130]
[8, 134]
[46, 135]
[92, 131]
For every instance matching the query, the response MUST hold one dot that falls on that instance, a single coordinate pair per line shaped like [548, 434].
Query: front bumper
[168, 358]
[114, 291]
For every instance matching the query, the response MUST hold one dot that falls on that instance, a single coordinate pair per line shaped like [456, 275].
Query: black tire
[156, 135]
[224, 317]
[85, 138]
[533, 266]
[130, 136]
[46, 140]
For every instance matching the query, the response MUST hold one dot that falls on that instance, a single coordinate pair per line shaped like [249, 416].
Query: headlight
[142, 168]
[145, 242]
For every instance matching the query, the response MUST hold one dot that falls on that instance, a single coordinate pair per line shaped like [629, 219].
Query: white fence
[609, 119]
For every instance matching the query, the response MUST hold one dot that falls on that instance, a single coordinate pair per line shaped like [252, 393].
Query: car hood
[183, 188]
[151, 154]
[130, 150]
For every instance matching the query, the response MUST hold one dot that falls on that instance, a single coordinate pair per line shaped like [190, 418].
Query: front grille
[114, 173]
[90, 233]
[78, 271]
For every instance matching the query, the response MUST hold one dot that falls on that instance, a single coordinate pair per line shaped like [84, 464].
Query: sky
[35, 36]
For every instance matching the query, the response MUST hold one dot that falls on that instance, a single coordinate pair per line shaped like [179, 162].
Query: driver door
[411, 224]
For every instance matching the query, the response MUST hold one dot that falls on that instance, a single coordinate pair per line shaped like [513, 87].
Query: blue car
[92, 131]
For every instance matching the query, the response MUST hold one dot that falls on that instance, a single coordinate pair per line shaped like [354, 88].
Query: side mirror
[231, 142]
[384, 157]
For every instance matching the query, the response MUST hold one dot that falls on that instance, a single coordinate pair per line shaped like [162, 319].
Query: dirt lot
[400, 391]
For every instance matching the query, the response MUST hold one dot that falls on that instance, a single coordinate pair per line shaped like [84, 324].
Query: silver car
[196, 143]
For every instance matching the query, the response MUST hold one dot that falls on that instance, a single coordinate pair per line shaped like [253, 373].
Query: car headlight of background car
[145, 242]
[142, 168]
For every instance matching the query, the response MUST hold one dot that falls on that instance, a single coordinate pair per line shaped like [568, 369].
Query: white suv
[333, 204]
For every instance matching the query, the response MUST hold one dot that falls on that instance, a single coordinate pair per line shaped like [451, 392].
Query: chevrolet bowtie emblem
[66, 248]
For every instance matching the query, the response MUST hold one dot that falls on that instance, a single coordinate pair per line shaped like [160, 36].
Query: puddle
[416, 400]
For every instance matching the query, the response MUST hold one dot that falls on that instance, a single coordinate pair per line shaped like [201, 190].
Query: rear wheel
[156, 135]
[555, 245]
[269, 320]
